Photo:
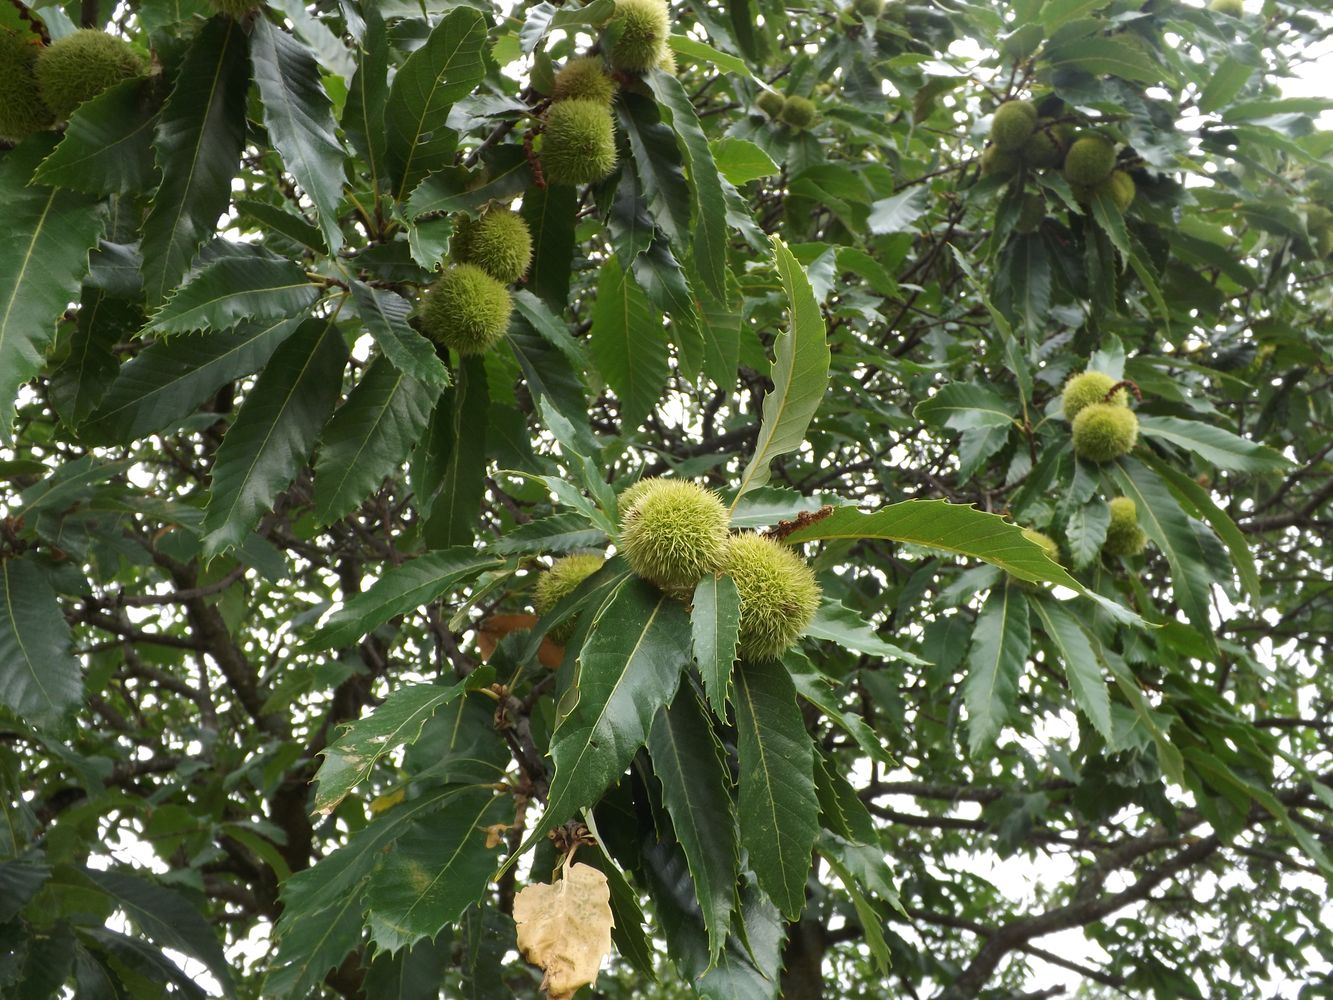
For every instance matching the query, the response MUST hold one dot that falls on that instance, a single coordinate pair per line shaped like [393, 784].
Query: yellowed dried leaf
[565, 928]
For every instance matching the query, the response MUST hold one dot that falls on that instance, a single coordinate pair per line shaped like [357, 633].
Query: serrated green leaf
[435, 871]
[369, 437]
[965, 406]
[299, 119]
[268, 444]
[455, 190]
[312, 947]
[687, 760]
[385, 315]
[436, 75]
[778, 809]
[1214, 444]
[40, 679]
[458, 435]
[544, 17]
[627, 344]
[1086, 531]
[838, 623]
[169, 379]
[198, 143]
[549, 213]
[871, 921]
[106, 147]
[1103, 56]
[715, 619]
[956, 528]
[817, 688]
[398, 591]
[741, 161]
[43, 257]
[800, 374]
[168, 919]
[367, 94]
[663, 280]
[708, 244]
[999, 652]
[1083, 668]
[1198, 503]
[1169, 529]
[351, 758]
[234, 289]
[657, 162]
[631, 664]
[557, 533]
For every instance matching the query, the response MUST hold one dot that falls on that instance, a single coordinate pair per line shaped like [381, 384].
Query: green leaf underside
[800, 374]
[398, 591]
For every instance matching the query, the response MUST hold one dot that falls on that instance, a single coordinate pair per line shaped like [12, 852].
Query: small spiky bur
[466, 309]
[1104, 432]
[1031, 213]
[999, 162]
[1087, 388]
[673, 532]
[770, 102]
[558, 582]
[1319, 224]
[1013, 125]
[798, 112]
[578, 143]
[22, 110]
[1124, 537]
[637, 35]
[1046, 542]
[1232, 8]
[499, 243]
[235, 9]
[1120, 186]
[81, 65]
[779, 595]
[1089, 161]
[583, 79]
[1043, 150]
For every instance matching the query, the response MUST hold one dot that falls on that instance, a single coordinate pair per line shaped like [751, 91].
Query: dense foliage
[336, 340]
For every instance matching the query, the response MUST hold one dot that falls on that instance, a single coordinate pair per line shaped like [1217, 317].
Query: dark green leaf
[106, 148]
[385, 315]
[458, 436]
[232, 290]
[715, 619]
[628, 344]
[778, 808]
[1083, 667]
[274, 432]
[299, 119]
[999, 653]
[40, 679]
[198, 142]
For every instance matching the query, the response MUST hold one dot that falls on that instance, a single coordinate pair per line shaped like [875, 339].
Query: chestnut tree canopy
[327, 328]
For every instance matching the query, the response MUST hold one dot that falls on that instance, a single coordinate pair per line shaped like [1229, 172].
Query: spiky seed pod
[235, 9]
[1104, 432]
[558, 582]
[1089, 161]
[673, 533]
[466, 309]
[667, 61]
[1232, 8]
[1046, 542]
[630, 495]
[1000, 163]
[579, 142]
[1013, 125]
[1120, 186]
[779, 595]
[798, 112]
[637, 34]
[499, 243]
[22, 110]
[770, 102]
[81, 65]
[584, 79]
[1031, 213]
[1124, 537]
[1087, 388]
[1043, 150]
